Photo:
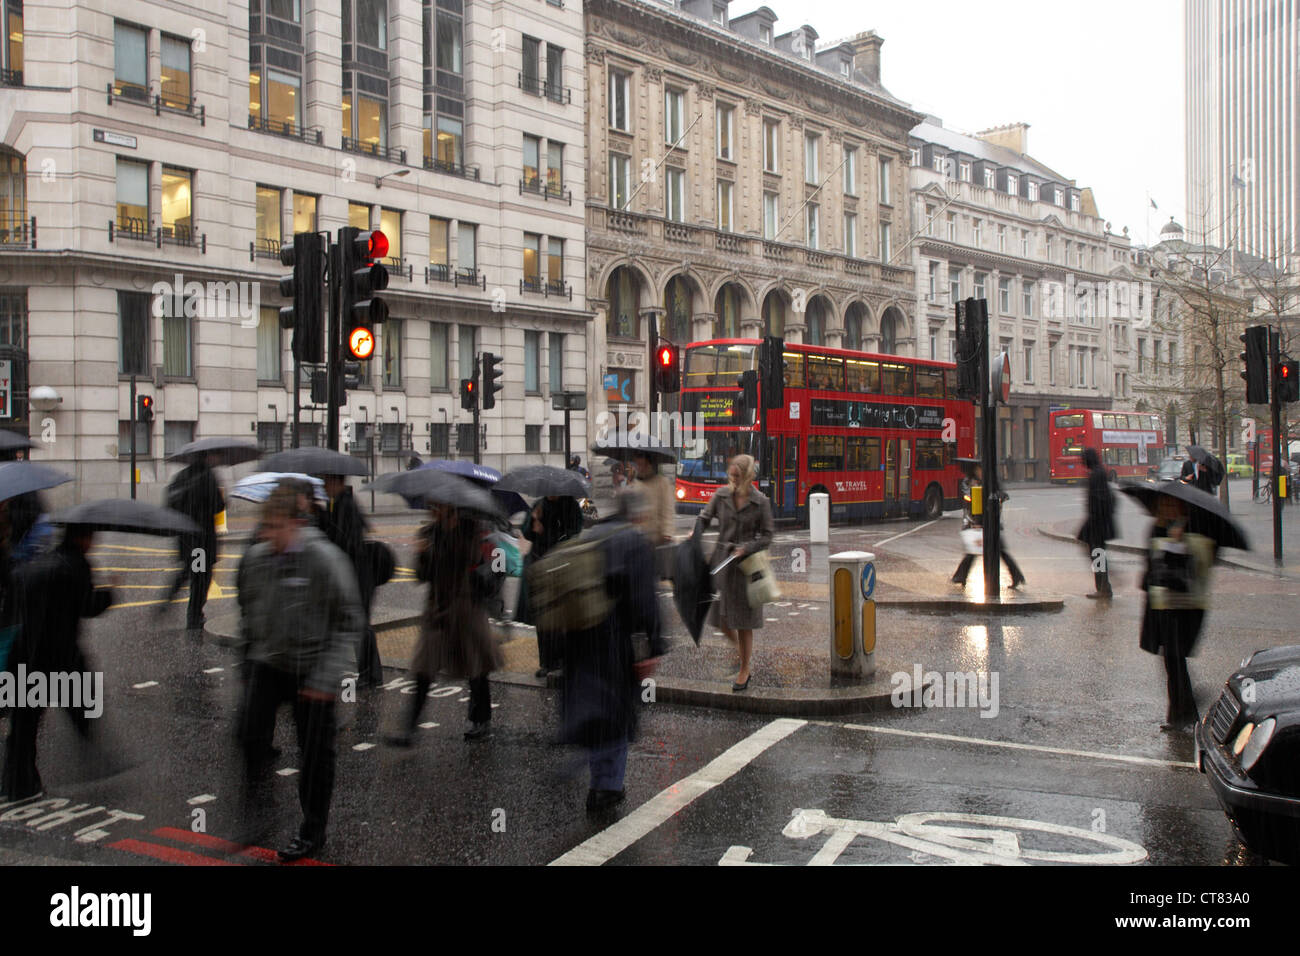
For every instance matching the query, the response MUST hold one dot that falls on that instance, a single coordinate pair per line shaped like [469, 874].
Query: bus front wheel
[933, 507]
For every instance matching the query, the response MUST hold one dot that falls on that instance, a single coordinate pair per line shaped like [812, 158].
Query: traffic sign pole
[333, 343]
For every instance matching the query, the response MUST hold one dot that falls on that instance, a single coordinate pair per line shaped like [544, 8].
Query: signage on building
[618, 386]
[6, 387]
[115, 139]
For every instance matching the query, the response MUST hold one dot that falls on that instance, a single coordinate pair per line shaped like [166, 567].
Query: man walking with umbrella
[1100, 526]
[345, 527]
[195, 493]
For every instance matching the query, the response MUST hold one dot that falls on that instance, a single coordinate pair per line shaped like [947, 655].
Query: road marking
[1011, 745]
[148, 683]
[214, 670]
[168, 854]
[881, 544]
[429, 725]
[201, 798]
[616, 838]
[287, 771]
[365, 746]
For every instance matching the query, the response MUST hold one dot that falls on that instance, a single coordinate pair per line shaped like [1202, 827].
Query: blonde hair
[748, 472]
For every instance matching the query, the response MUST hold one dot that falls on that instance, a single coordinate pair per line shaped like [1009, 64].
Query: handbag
[760, 582]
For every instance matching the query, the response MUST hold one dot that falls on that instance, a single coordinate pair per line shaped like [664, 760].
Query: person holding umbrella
[195, 493]
[663, 507]
[1100, 526]
[553, 519]
[344, 525]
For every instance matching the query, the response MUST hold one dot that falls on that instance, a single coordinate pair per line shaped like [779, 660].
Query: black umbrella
[228, 451]
[1208, 462]
[540, 481]
[315, 461]
[425, 486]
[637, 443]
[1209, 516]
[129, 516]
[20, 477]
[692, 585]
[11, 442]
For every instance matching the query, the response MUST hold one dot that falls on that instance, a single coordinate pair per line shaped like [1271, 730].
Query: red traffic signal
[144, 410]
[378, 245]
[667, 372]
[666, 356]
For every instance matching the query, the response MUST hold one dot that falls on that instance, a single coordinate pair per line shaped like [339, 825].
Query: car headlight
[681, 493]
[1243, 738]
[1254, 748]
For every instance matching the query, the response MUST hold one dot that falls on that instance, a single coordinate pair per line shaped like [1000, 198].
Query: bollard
[853, 614]
[819, 518]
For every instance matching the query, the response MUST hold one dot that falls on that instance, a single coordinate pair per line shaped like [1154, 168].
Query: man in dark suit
[344, 525]
[194, 492]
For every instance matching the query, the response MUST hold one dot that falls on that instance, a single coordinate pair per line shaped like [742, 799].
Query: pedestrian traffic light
[351, 377]
[668, 376]
[749, 389]
[144, 408]
[1288, 381]
[319, 388]
[491, 372]
[771, 365]
[306, 254]
[1255, 369]
[972, 333]
[468, 394]
[362, 278]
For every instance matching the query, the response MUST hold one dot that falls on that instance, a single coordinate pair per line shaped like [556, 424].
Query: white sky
[1100, 83]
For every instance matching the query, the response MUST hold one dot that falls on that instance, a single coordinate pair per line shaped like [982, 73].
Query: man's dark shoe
[598, 801]
[480, 731]
[299, 848]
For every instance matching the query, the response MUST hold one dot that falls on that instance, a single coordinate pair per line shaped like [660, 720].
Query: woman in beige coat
[744, 527]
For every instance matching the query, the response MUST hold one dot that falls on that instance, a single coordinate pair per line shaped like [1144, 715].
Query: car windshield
[1171, 468]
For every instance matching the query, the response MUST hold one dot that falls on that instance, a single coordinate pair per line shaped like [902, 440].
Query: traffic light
[319, 388]
[491, 372]
[668, 374]
[306, 255]
[972, 332]
[1255, 369]
[749, 389]
[144, 408]
[1288, 381]
[771, 364]
[362, 278]
[468, 394]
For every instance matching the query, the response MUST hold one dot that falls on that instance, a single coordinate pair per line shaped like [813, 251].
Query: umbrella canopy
[259, 485]
[20, 477]
[228, 451]
[315, 461]
[12, 441]
[425, 486]
[692, 585]
[1208, 462]
[1208, 515]
[127, 515]
[540, 481]
[637, 443]
[465, 469]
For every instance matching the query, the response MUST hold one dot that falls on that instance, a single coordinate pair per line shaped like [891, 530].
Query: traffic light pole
[333, 346]
[133, 429]
[653, 382]
[992, 520]
[1275, 406]
[478, 401]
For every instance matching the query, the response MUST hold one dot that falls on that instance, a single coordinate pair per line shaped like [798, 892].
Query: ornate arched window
[677, 310]
[727, 309]
[624, 295]
[774, 314]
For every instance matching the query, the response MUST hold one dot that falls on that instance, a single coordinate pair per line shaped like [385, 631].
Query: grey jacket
[751, 527]
[301, 611]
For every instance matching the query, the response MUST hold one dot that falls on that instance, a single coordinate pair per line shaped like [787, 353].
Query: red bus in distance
[1131, 444]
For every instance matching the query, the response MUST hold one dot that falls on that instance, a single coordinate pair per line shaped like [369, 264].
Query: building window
[133, 314]
[392, 339]
[143, 436]
[451, 142]
[440, 439]
[358, 215]
[952, 227]
[929, 219]
[770, 209]
[1051, 363]
[726, 129]
[620, 173]
[532, 362]
[176, 435]
[850, 172]
[1024, 243]
[675, 198]
[449, 39]
[555, 359]
[175, 86]
[268, 218]
[532, 65]
[133, 196]
[1033, 192]
[963, 172]
[131, 61]
[438, 232]
[933, 290]
[765, 34]
[556, 434]
[813, 223]
[554, 167]
[466, 247]
[1027, 298]
[178, 203]
[555, 262]
[980, 279]
[177, 332]
[532, 439]
[439, 353]
[812, 147]
[674, 115]
[1074, 202]
[532, 257]
[1002, 238]
[851, 235]
[977, 233]
[532, 162]
[619, 86]
[465, 439]
[274, 100]
[269, 345]
[771, 146]
[916, 157]
[390, 224]
[886, 247]
[554, 73]
[990, 177]
[954, 283]
[1004, 295]
[304, 213]
[724, 205]
[939, 162]
[466, 342]
[1012, 184]
[886, 171]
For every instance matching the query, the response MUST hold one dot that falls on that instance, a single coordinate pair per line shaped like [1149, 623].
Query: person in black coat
[551, 521]
[54, 592]
[195, 493]
[601, 689]
[1100, 526]
[346, 528]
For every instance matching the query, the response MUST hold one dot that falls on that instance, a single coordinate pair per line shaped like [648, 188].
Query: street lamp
[397, 172]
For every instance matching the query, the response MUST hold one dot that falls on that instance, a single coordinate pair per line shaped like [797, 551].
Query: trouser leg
[422, 685]
[20, 778]
[316, 731]
[1182, 699]
[1016, 573]
[480, 700]
[263, 692]
[963, 569]
[608, 764]
[200, 581]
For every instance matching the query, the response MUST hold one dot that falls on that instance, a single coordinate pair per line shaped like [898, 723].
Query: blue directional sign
[868, 580]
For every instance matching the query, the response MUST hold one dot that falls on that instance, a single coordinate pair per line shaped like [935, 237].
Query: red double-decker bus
[1130, 443]
[879, 434]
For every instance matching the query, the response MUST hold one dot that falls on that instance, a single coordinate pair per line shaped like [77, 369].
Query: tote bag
[760, 582]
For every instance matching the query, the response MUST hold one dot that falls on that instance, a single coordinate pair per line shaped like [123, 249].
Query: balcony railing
[138, 229]
[547, 190]
[132, 228]
[628, 222]
[455, 169]
[18, 232]
[396, 438]
[130, 93]
[182, 236]
[398, 267]
[546, 287]
[730, 242]
[819, 260]
[286, 128]
[11, 77]
[437, 272]
[680, 232]
[264, 249]
[540, 87]
[390, 153]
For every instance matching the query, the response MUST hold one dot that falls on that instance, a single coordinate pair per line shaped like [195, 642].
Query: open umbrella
[1208, 462]
[425, 486]
[637, 443]
[127, 515]
[315, 461]
[228, 451]
[259, 485]
[12, 442]
[20, 477]
[465, 469]
[540, 481]
[1209, 517]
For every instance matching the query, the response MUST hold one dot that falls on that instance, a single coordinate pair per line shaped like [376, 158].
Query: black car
[1249, 746]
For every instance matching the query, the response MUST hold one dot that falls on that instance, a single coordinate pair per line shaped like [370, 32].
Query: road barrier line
[1011, 745]
[613, 840]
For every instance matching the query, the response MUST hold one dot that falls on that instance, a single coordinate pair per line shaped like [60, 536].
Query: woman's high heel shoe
[736, 687]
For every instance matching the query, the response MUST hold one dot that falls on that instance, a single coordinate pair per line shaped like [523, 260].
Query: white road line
[214, 670]
[287, 771]
[881, 544]
[148, 683]
[613, 840]
[201, 798]
[363, 746]
[1011, 745]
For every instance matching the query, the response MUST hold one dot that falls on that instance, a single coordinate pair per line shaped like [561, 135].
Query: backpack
[566, 588]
